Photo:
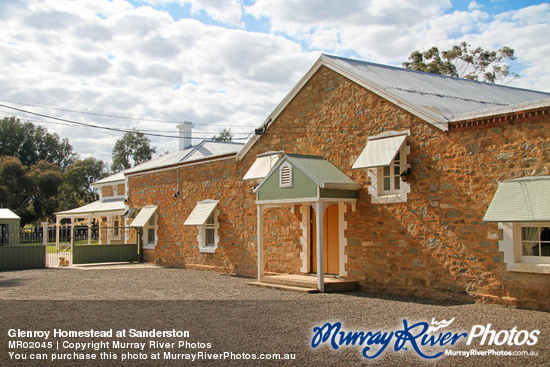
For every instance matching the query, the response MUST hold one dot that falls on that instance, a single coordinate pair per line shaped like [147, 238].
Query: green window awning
[380, 152]
[144, 216]
[521, 200]
[201, 212]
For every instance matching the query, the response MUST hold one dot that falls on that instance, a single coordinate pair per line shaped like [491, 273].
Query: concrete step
[310, 282]
[284, 287]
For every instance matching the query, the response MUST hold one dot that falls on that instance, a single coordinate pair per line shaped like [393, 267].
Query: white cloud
[139, 62]
[473, 5]
[227, 12]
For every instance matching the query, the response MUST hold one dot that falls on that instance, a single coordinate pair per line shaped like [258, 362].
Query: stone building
[373, 173]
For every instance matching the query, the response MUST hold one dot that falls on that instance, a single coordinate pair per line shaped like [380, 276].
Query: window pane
[530, 249]
[210, 219]
[396, 170]
[209, 237]
[530, 233]
[386, 170]
[397, 183]
[387, 181]
[151, 236]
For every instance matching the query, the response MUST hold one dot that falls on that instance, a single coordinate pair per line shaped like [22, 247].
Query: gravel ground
[233, 317]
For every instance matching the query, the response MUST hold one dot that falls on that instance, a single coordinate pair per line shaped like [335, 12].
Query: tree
[45, 178]
[463, 61]
[30, 193]
[224, 135]
[32, 144]
[134, 145]
[76, 189]
[15, 185]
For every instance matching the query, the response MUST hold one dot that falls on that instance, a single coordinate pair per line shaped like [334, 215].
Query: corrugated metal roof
[110, 179]
[380, 152]
[521, 200]
[205, 149]
[434, 98]
[143, 216]
[321, 171]
[201, 212]
[437, 95]
[8, 214]
[99, 206]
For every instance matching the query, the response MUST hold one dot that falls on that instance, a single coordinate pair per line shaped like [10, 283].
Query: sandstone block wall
[434, 245]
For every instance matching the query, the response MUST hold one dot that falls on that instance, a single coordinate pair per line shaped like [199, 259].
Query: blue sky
[225, 63]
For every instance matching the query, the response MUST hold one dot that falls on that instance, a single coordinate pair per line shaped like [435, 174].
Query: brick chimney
[185, 129]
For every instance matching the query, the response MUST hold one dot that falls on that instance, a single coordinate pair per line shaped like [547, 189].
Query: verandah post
[320, 246]
[260, 242]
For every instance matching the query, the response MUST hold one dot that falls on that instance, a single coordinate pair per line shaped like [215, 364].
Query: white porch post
[89, 230]
[45, 241]
[72, 233]
[320, 247]
[260, 242]
[57, 222]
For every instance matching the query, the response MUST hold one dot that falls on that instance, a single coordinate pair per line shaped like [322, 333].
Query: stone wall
[177, 244]
[433, 245]
[107, 191]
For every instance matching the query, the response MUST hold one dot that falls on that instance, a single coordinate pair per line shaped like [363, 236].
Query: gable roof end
[436, 99]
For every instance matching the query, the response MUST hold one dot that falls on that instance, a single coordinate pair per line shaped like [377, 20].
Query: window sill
[149, 247]
[529, 268]
[389, 199]
[207, 250]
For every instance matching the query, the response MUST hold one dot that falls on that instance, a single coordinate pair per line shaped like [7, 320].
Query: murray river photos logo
[418, 337]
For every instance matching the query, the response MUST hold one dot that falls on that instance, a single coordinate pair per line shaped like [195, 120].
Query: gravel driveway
[232, 317]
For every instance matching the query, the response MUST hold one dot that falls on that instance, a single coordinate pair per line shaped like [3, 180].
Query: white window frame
[392, 176]
[511, 246]
[518, 243]
[203, 246]
[376, 175]
[285, 166]
[152, 223]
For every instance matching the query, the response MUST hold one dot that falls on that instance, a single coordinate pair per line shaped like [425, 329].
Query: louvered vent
[285, 175]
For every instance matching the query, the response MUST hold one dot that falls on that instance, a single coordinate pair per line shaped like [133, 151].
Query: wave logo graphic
[435, 326]
[374, 343]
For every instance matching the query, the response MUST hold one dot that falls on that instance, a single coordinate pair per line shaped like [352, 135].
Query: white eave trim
[180, 165]
[305, 200]
[531, 105]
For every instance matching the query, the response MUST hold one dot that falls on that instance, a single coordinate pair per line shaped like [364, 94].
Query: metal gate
[67, 245]
[58, 253]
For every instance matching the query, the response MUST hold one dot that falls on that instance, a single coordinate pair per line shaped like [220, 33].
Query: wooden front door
[331, 241]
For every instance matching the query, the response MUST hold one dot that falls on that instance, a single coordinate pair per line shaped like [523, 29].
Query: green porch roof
[521, 200]
[312, 176]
